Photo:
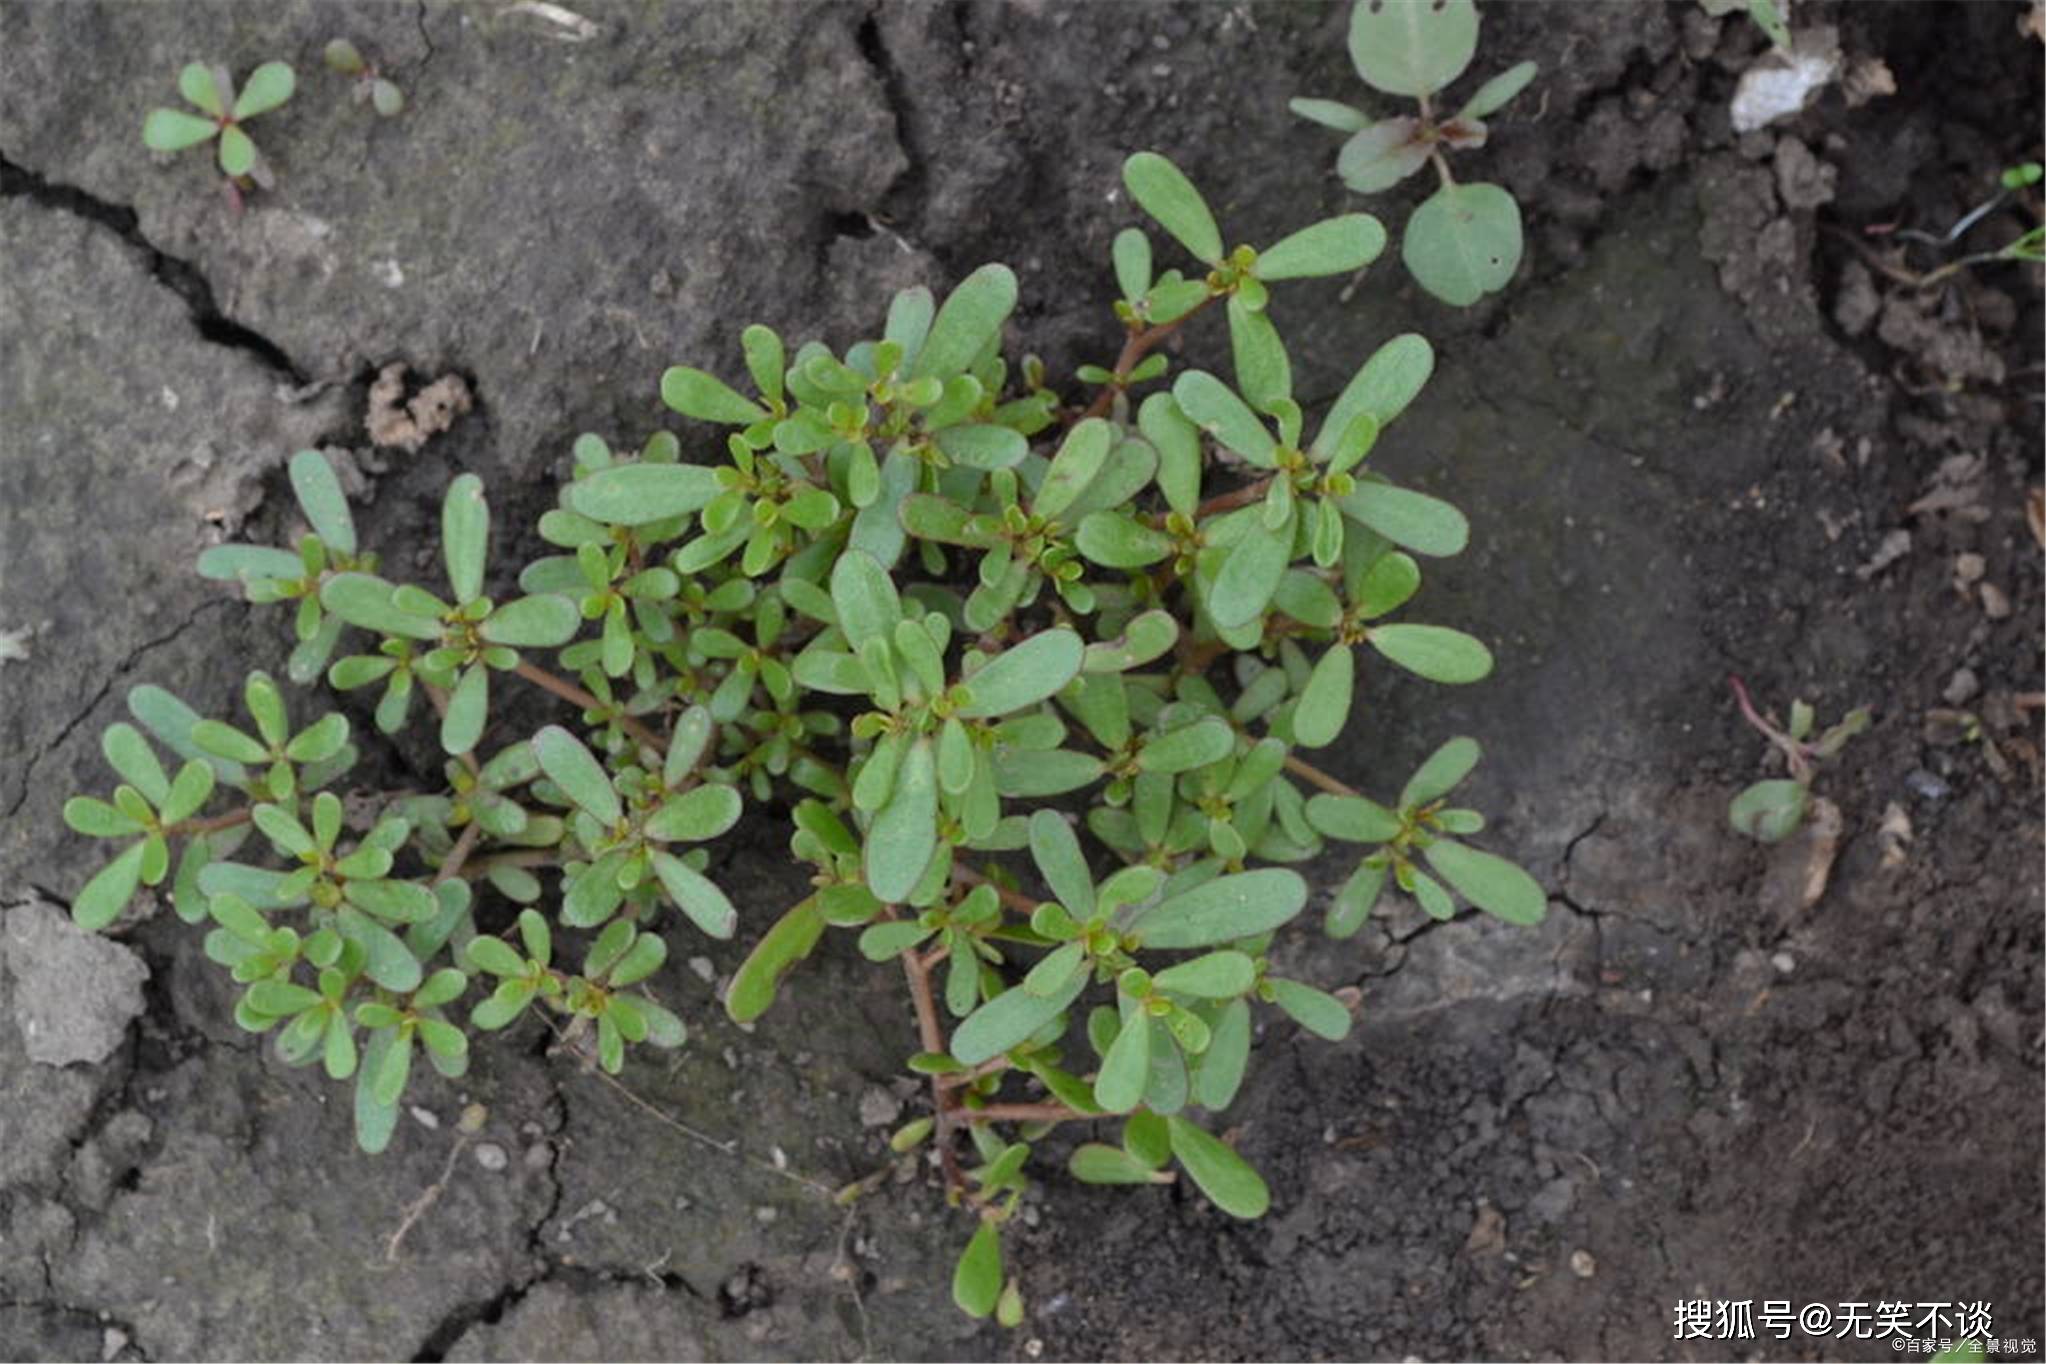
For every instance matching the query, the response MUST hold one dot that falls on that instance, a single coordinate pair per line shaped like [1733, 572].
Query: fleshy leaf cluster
[1036, 676]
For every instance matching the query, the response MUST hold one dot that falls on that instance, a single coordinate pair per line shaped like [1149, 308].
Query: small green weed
[1464, 241]
[210, 89]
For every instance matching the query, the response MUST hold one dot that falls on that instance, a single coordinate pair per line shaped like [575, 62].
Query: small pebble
[112, 1341]
[702, 966]
[1923, 783]
[1995, 604]
[1784, 963]
[425, 1118]
[1582, 1265]
[491, 1156]
[765, 1216]
[1961, 687]
[878, 1107]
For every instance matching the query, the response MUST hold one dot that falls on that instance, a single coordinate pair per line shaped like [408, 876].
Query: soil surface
[1716, 425]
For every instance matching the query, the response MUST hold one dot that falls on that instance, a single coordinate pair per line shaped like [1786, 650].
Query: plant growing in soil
[210, 89]
[1772, 810]
[1464, 241]
[371, 84]
[937, 614]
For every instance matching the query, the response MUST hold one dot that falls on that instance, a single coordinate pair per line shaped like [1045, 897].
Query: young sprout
[1464, 241]
[211, 90]
[370, 84]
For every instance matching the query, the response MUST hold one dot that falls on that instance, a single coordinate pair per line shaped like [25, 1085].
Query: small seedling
[1770, 811]
[1464, 241]
[370, 83]
[211, 90]
[925, 605]
[2027, 246]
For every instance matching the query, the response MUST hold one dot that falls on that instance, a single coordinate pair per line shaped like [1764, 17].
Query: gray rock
[74, 992]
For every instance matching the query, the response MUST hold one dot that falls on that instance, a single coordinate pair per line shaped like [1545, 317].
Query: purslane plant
[1464, 241]
[937, 608]
[210, 89]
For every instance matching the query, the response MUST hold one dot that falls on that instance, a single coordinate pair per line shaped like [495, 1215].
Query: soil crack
[181, 277]
[908, 187]
[126, 666]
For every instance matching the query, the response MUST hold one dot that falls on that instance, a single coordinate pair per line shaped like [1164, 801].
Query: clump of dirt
[398, 421]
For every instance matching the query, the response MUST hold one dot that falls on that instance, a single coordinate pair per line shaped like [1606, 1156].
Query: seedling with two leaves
[371, 85]
[921, 598]
[1464, 241]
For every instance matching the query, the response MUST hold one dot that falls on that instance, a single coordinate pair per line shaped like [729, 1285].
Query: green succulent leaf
[1495, 93]
[1131, 252]
[325, 505]
[368, 601]
[1225, 1177]
[545, 621]
[173, 130]
[465, 532]
[706, 905]
[1412, 47]
[1490, 882]
[268, 86]
[237, 152]
[1321, 1014]
[468, 710]
[1380, 155]
[863, 594]
[1352, 819]
[196, 82]
[977, 1282]
[1382, 388]
[967, 323]
[1244, 584]
[1218, 975]
[1329, 113]
[1126, 1068]
[637, 494]
[905, 834]
[1023, 674]
[109, 891]
[1324, 705]
[581, 777]
[1415, 521]
[1094, 1163]
[1443, 771]
[1769, 811]
[1434, 652]
[1218, 1071]
[1463, 242]
[97, 819]
[1009, 1018]
[706, 398]
[1225, 909]
[1213, 405]
[1078, 462]
[1162, 190]
[699, 814]
[130, 755]
[760, 976]
[1334, 246]
[1056, 850]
